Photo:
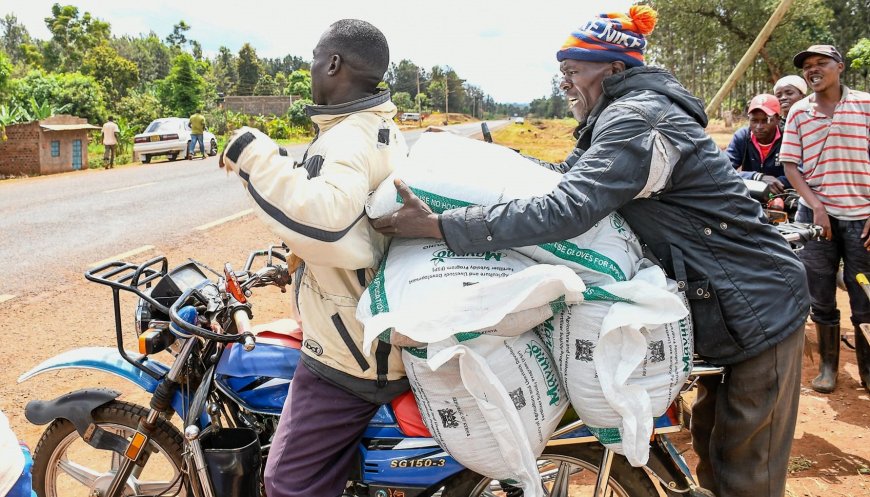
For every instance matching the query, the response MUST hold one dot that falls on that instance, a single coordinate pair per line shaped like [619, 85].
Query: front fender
[77, 408]
[107, 359]
[102, 359]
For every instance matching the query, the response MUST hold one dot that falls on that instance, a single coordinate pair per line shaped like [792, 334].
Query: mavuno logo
[440, 256]
[687, 349]
[537, 352]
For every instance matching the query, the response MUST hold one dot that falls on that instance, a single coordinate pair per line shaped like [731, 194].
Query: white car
[169, 136]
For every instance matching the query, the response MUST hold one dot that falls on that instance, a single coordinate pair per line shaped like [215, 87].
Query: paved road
[54, 227]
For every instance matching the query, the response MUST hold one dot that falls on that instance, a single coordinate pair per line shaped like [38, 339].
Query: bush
[279, 129]
[297, 114]
[139, 109]
[216, 121]
[82, 93]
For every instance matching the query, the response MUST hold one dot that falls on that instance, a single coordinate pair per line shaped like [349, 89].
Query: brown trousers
[742, 427]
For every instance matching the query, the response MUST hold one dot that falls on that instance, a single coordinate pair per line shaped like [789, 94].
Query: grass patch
[550, 140]
[799, 463]
[96, 151]
[295, 140]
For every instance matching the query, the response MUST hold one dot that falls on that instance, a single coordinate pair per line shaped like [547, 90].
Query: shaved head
[361, 46]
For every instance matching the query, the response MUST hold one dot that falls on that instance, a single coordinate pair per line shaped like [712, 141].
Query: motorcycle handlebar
[799, 232]
[195, 330]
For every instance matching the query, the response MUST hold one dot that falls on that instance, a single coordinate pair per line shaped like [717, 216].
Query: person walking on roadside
[110, 133]
[315, 208]
[642, 150]
[754, 150]
[197, 128]
[825, 153]
[789, 90]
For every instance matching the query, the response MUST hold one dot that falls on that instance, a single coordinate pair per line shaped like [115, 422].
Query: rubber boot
[829, 357]
[862, 353]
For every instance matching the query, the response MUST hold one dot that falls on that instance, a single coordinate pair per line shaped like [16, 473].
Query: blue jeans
[192, 146]
[822, 258]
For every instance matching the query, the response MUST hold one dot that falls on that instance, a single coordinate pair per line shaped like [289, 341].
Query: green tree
[225, 73]
[72, 36]
[115, 74]
[16, 41]
[182, 91]
[280, 82]
[456, 98]
[402, 77]
[403, 101]
[82, 93]
[701, 41]
[848, 27]
[287, 64]
[5, 72]
[178, 38]
[299, 84]
[436, 93]
[421, 101]
[139, 109]
[152, 57]
[265, 86]
[860, 55]
[249, 69]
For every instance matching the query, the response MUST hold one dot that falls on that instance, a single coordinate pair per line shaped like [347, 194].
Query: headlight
[143, 316]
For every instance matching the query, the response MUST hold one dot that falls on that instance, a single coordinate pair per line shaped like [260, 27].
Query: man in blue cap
[642, 150]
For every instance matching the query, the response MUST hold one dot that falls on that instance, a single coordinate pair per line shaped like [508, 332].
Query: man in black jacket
[642, 150]
[754, 150]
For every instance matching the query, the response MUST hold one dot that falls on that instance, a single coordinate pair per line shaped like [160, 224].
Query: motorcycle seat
[283, 332]
[408, 416]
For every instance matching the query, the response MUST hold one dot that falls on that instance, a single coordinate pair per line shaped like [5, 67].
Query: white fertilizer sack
[427, 293]
[491, 402]
[624, 354]
[448, 171]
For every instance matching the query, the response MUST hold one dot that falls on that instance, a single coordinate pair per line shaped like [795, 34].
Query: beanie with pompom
[611, 37]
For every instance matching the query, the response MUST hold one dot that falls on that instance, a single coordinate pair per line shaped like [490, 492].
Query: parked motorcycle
[226, 386]
[779, 208]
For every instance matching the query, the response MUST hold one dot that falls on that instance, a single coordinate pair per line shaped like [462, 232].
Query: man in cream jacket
[317, 208]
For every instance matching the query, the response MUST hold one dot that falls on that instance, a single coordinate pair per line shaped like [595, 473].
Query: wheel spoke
[79, 473]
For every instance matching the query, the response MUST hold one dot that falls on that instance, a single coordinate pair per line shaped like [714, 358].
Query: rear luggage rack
[133, 278]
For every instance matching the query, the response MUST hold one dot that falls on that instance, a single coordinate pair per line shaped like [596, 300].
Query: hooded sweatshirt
[643, 151]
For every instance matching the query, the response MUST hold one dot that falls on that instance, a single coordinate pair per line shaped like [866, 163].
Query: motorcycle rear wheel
[66, 466]
[575, 464]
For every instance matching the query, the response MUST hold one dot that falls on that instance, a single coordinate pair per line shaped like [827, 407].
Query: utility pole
[417, 98]
[750, 55]
[446, 100]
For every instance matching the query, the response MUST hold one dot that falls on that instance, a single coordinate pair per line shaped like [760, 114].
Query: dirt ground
[831, 454]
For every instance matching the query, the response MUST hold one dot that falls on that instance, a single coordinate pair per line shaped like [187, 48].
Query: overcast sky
[505, 47]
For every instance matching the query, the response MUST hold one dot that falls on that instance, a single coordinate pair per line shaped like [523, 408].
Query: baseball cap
[826, 50]
[766, 103]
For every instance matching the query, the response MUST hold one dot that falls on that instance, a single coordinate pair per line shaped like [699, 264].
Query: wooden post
[750, 55]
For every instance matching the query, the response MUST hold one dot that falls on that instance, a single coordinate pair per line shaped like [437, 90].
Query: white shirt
[109, 130]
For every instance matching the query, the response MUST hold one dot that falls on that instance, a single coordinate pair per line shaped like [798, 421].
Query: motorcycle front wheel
[565, 471]
[66, 466]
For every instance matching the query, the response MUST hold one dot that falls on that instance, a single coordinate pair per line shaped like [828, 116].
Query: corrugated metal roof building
[54, 145]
